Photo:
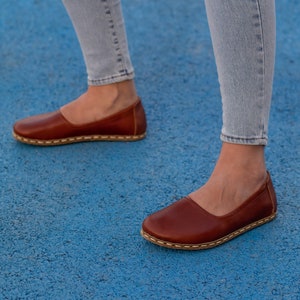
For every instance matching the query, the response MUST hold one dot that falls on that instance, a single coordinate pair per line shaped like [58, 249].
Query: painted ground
[70, 216]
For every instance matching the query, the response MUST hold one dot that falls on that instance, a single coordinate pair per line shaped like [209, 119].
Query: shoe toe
[36, 127]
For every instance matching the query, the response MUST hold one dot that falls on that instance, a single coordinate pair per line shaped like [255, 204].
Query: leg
[100, 29]
[243, 36]
[244, 52]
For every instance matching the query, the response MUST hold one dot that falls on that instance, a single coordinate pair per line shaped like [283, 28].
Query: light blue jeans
[243, 37]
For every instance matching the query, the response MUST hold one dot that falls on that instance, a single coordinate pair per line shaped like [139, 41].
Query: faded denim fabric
[100, 29]
[243, 37]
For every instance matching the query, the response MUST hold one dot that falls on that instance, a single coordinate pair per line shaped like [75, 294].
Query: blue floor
[70, 216]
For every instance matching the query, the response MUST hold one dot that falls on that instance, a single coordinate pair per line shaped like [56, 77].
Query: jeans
[243, 37]
[99, 26]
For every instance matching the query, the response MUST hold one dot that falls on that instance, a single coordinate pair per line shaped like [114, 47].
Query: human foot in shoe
[228, 205]
[111, 113]
[240, 171]
[99, 102]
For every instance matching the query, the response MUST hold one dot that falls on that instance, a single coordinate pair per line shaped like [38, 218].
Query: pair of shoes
[185, 225]
[52, 129]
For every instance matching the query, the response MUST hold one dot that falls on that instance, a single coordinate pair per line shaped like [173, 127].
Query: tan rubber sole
[78, 139]
[207, 245]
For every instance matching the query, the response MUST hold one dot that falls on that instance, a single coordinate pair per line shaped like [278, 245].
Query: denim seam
[244, 140]
[120, 60]
[258, 7]
[111, 79]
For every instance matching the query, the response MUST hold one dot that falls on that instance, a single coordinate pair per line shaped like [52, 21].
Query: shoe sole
[207, 245]
[78, 139]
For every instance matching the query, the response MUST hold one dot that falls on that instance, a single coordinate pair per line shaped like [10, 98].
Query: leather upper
[53, 125]
[185, 222]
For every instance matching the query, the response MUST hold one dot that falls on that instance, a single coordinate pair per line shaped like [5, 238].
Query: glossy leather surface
[185, 224]
[128, 124]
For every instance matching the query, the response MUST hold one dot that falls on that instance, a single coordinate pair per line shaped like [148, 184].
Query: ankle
[243, 158]
[120, 93]
[99, 102]
[239, 172]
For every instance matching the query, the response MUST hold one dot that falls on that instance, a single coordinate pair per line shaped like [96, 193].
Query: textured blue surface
[70, 216]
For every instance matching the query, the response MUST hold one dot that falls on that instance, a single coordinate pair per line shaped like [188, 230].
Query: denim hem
[111, 79]
[244, 141]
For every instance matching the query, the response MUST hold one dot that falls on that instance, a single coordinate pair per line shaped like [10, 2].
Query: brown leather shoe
[185, 225]
[52, 129]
